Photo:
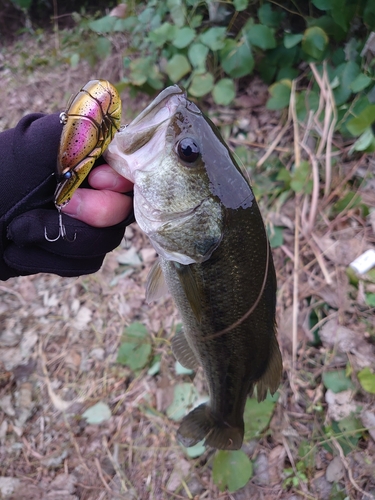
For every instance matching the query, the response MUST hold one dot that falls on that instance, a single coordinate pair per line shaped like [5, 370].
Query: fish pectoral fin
[272, 376]
[201, 424]
[183, 352]
[156, 286]
[190, 287]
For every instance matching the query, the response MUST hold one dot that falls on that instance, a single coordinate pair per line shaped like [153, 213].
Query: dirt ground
[59, 338]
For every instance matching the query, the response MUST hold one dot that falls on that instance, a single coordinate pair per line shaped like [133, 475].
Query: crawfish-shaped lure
[90, 123]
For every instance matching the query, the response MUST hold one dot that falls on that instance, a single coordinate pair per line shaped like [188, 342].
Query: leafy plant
[231, 470]
[135, 350]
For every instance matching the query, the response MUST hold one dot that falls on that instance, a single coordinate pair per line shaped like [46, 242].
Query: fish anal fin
[183, 352]
[272, 376]
[201, 424]
[156, 286]
[190, 287]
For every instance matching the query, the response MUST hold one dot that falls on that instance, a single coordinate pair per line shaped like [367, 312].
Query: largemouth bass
[199, 211]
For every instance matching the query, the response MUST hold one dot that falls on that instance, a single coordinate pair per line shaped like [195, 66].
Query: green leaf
[240, 5]
[224, 91]
[237, 59]
[369, 14]
[365, 142]
[184, 397]
[24, 4]
[177, 67]
[301, 182]
[343, 14]
[195, 451]
[260, 36]
[370, 299]
[197, 54]
[136, 348]
[177, 11]
[323, 4]
[231, 469]
[139, 69]
[360, 123]
[163, 34]
[181, 370]
[351, 198]
[280, 94]
[337, 381]
[257, 416]
[214, 38]
[201, 84]
[276, 236]
[270, 17]
[360, 82]
[290, 40]
[103, 47]
[346, 74]
[315, 42]
[367, 380]
[134, 355]
[183, 37]
[98, 413]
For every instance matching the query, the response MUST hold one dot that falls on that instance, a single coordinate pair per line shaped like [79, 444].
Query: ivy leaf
[162, 34]
[257, 416]
[323, 4]
[240, 5]
[367, 380]
[201, 84]
[224, 91]
[260, 36]
[280, 94]
[315, 42]
[178, 12]
[177, 67]
[184, 397]
[98, 413]
[290, 40]
[365, 142]
[197, 54]
[213, 38]
[237, 59]
[270, 17]
[183, 37]
[136, 348]
[276, 236]
[360, 83]
[337, 381]
[231, 469]
[360, 123]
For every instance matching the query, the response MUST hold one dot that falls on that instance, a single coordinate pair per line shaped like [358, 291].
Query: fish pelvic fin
[272, 376]
[200, 424]
[183, 352]
[156, 286]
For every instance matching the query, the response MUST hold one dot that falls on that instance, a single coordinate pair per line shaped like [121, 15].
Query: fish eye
[188, 150]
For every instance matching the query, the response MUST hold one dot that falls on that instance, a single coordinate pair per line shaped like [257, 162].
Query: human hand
[105, 205]
[28, 169]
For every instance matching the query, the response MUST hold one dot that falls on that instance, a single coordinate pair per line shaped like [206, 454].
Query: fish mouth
[126, 153]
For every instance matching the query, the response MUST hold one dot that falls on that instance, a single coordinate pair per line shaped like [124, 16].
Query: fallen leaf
[335, 470]
[340, 405]
[98, 413]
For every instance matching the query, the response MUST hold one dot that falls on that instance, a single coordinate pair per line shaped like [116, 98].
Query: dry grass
[59, 337]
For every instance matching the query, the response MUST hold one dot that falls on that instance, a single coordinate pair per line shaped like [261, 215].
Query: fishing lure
[90, 123]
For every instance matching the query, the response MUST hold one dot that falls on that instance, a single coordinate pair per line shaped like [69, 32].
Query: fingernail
[106, 178]
[73, 207]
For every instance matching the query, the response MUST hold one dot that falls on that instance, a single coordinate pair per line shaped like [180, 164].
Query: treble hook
[62, 231]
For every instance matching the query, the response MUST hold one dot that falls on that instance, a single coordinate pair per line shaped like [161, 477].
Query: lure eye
[188, 150]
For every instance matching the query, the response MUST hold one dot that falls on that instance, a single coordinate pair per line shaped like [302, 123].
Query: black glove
[28, 156]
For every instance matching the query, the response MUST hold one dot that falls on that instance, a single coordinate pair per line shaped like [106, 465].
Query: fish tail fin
[200, 424]
[272, 375]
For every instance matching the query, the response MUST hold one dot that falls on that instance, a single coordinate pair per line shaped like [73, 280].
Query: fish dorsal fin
[183, 352]
[190, 288]
[156, 286]
[272, 376]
